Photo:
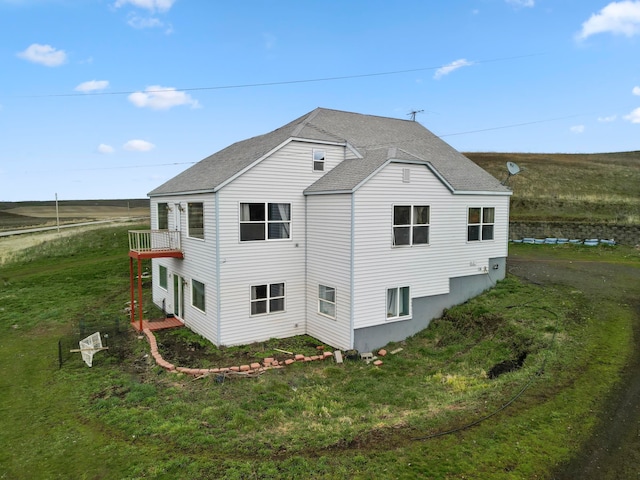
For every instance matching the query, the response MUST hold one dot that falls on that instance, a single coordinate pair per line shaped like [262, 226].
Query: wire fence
[113, 331]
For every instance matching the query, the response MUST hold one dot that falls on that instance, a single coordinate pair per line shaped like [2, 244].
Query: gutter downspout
[351, 272]
[216, 198]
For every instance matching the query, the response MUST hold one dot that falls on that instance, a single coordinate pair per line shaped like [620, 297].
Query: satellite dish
[513, 169]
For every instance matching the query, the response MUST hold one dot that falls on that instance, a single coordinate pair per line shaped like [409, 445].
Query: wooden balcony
[154, 244]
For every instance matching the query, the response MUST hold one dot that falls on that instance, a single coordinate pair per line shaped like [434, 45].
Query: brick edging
[267, 363]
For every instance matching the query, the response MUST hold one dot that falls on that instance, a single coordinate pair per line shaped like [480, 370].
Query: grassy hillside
[601, 187]
[14, 215]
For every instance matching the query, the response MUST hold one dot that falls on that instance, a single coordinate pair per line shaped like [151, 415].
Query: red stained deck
[161, 324]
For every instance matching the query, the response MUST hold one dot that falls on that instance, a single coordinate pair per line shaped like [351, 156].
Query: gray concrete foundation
[426, 309]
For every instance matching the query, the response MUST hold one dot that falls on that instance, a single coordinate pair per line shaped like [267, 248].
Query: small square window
[318, 160]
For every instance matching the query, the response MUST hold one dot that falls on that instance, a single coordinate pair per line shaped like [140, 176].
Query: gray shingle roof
[377, 139]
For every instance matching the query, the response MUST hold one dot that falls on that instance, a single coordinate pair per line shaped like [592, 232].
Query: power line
[269, 84]
[512, 125]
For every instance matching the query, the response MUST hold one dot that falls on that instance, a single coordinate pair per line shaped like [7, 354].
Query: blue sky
[109, 99]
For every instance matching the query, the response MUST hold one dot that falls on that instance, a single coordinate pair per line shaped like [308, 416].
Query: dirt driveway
[614, 451]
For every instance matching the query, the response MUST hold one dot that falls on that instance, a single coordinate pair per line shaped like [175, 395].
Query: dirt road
[614, 450]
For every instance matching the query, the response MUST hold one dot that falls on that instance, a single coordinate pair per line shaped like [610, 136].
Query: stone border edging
[267, 363]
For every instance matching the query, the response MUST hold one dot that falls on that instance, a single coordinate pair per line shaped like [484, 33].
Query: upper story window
[318, 160]
[481, 221]
[163, 216]
[410, 225]
[265, 221]
[195, 213]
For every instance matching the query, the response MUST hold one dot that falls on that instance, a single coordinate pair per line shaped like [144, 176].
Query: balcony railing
[154, 241]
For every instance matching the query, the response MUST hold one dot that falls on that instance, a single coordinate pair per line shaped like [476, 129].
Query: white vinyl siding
[329, 263]
[281, 178]
[198, 263]
[426, 270]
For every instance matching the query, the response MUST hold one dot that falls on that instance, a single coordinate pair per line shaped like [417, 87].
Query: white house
[354, 229]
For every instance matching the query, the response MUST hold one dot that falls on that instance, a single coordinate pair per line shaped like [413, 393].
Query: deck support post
[140, 290]
[132, 312]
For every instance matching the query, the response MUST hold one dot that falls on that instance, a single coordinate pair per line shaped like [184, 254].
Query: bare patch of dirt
[614, 450]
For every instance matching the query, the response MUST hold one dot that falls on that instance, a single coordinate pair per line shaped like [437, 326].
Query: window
[265, 221]
[197, 295]
[327, 301]
[398, 303]
[480, 223]
[318, 160]
[162, 273]
[163, 216]
[195, 212]
[267, 298]
[410, 225]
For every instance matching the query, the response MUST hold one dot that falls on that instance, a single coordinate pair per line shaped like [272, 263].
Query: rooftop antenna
[413, 113]
[513, 169]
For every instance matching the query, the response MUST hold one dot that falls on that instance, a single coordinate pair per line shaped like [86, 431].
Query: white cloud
[140, 23]
[103, 148]
[619, 18]
[44, 55]
[610, 118]
[447, 69]
[138, 146]
[151, 5]
[92, 86]
[522, 3]
[636, 90]
[577, 129]
[162, 98]
[634, 116]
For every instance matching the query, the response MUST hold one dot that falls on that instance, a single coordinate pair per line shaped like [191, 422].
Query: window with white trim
[197, 295]
[162, 277]
[265, 221]
[398, 303]
[318, 160]
[267, 298]
[410, 225]
[163, 216]
[327, 301]
[195, 213]
[480, 224]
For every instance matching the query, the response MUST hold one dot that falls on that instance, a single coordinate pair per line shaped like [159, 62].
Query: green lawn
[127, 418]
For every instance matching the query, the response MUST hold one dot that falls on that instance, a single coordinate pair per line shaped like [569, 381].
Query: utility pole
[57, 214]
